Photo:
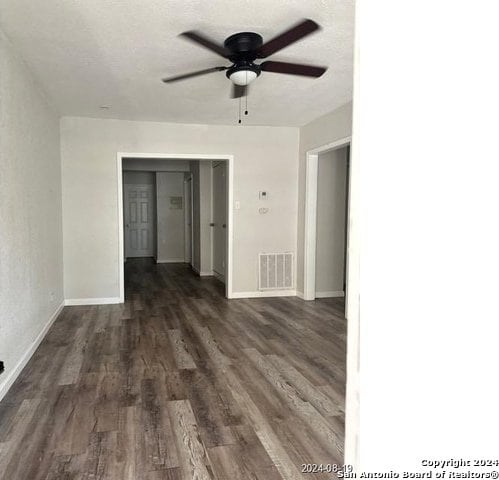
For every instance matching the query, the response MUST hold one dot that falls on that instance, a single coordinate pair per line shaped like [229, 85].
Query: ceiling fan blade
[304, 28]
[193, 74]
[293, 68]
[206, 42]
[239, 91]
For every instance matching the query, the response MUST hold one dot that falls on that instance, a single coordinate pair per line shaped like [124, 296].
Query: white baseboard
[338, 293]
[265, 293]
[170, 260]
[14, 373]
[70, 302]
[300, 295]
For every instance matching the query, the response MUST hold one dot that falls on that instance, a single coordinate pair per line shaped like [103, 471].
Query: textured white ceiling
[89, 53]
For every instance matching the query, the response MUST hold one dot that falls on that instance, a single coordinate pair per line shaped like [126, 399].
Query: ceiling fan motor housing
[243, 46]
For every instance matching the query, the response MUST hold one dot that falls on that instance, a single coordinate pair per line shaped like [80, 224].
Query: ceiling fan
[242, 49]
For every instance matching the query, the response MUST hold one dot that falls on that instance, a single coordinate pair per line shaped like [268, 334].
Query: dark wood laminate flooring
[179, 383]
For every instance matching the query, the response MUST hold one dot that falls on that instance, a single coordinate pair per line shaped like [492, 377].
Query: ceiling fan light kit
[243, 75]
[242, 49]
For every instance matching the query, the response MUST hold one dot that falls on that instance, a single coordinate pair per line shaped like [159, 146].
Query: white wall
[326, 129]
[331, 210]
[155, 165]
[139, 178]
[170, 220]
[264, 158]
[31, 285]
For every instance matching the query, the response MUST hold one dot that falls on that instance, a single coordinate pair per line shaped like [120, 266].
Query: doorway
[311, 230]
[202, 159]
[331, 237]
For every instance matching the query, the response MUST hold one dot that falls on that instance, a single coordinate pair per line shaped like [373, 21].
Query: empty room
[177, 282]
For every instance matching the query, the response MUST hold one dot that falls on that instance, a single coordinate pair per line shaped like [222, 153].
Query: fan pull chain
[246, 96]
[239, 110]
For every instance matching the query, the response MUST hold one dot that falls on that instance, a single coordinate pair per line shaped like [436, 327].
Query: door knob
[224, 226]
[212, 224]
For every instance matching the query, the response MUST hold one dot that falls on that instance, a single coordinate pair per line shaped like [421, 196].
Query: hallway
[180, 383]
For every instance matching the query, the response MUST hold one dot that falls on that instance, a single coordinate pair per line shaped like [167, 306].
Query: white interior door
[139, 220]
[188, 219]
[219, 220]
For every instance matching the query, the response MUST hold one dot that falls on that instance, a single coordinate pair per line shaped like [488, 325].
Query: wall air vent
[275, 271]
